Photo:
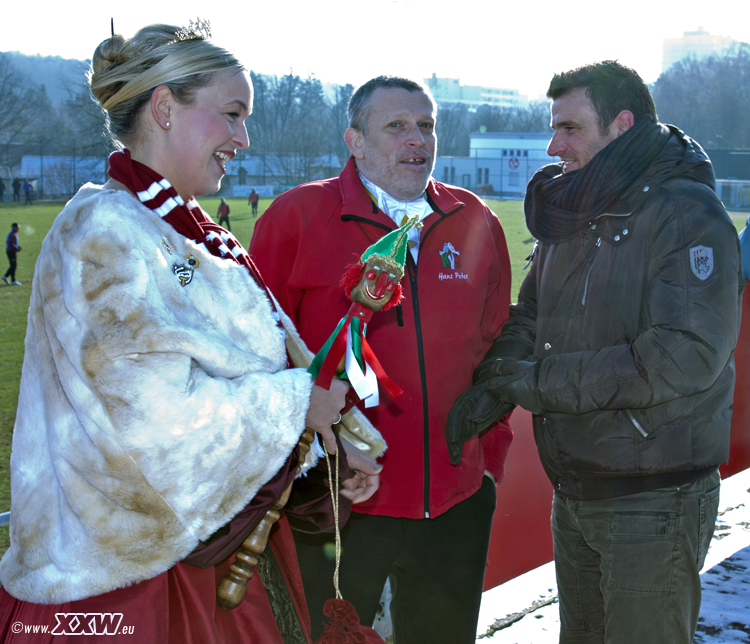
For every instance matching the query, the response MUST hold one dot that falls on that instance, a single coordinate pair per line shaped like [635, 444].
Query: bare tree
[339, 121]
[452, 128]
[533, 117]
[23, 106]
[82, 120]
[708, 98]
[290, 126]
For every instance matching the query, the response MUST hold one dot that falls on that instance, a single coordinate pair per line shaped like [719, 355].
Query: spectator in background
[27, 191]
[16, 189]
[2, 189]
[223, 213]
[745, 245]
[253, 201]
[11, 248]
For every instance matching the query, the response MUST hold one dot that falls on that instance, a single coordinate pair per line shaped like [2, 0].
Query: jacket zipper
[637, 425]
[412, 271]
[593, 261]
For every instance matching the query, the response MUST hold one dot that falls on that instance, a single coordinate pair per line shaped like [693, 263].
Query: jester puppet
[373, 284]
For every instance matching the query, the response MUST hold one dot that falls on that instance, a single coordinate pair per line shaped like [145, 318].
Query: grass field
[35, 221]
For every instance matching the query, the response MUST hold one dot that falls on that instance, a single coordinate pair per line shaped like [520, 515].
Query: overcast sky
[516, 44]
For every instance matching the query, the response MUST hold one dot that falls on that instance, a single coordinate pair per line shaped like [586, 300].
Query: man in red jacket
[428, 526]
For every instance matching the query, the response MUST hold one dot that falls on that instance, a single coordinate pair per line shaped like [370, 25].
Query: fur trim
[149, 413]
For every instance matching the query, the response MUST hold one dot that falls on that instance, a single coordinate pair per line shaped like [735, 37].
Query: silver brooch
[185, 272]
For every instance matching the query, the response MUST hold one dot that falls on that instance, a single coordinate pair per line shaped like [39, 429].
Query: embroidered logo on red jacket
[451, 261]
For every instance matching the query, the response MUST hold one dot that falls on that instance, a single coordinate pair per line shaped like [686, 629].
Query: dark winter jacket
[635, 321]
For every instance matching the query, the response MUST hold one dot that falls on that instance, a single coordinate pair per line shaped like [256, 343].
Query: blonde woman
[157, 421]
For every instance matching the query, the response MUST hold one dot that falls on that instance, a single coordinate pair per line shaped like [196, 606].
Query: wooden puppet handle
[234, 585]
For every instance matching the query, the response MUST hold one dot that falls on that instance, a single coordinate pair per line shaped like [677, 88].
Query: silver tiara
[197, 29]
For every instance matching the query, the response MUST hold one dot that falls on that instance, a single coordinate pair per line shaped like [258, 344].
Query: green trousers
[628, 568]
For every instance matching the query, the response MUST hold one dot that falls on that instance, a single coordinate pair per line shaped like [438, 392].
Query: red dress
[176, 607]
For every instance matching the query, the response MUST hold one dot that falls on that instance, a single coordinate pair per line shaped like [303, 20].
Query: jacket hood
[681, 157]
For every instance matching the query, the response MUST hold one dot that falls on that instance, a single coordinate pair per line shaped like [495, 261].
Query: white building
[450, 90]
[693, 43]
[500, 163]
[280, 172]
[59, 176]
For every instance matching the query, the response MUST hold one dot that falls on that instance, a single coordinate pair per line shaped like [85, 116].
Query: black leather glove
[489, 368]
[500, 386]
[474, 411]
[518, 382]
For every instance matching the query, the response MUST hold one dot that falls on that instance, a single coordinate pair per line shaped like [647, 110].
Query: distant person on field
[224, 214]
[621, 345]
[253, 201]
[2, 189]
[11, 248]
[16, 189]
[27, 191]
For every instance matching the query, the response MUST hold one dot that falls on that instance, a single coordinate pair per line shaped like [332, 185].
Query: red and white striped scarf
[188, 219]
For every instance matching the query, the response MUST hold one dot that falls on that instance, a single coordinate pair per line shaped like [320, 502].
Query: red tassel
[343, 626]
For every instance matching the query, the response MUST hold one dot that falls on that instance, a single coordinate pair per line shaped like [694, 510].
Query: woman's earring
[167, 124]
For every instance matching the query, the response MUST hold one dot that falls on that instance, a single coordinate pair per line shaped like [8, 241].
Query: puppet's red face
[378, 283]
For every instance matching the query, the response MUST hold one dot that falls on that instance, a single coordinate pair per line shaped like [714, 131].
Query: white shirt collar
[397, 210]
[394, 208]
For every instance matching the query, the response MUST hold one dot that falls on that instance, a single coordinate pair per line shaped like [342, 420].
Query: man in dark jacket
[621, 345]
[428, 525]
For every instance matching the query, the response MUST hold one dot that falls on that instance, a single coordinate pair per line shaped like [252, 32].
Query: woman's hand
[366, 479]
[325, 406]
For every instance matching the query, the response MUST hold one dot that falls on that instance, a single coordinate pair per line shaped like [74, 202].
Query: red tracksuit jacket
[455, 303]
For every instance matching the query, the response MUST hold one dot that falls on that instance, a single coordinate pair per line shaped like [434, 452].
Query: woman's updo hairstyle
[124, 72]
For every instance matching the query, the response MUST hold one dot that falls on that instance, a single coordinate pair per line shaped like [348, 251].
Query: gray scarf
[558, 205]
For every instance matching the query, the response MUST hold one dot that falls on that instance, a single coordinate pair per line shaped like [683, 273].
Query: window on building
[453, 175]
[446, 170]
[486, 176]
[525, 153]
[479, 176]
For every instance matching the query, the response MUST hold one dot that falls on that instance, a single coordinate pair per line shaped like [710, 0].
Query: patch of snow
[528, 603]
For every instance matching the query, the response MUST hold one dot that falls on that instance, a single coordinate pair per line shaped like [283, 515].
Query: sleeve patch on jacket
[702, 261]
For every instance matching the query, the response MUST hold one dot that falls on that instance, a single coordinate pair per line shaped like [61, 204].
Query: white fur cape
[150, 413]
